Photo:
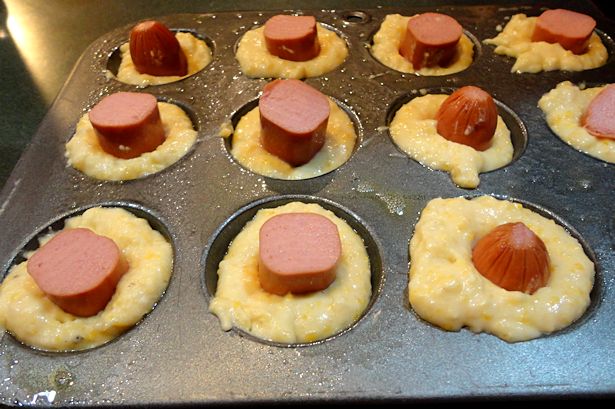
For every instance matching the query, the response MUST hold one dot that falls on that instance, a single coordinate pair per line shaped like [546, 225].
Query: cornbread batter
[197, 54]
[563, 107]
[387, 40]
[446, 289]
[413, 129]
[249, 152]
[256, 61]
[516, 41]
[241, 302]
[84, 153]
[27, 313]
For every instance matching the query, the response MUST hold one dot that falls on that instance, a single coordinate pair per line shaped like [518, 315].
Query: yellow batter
[446, 289]
[84, 153]
[414, 130]
[563, 107]
[241, 302]
[385, 48]
[198, 55]
[249, 152]
[516, 41]
[35, 320]
[256, 61]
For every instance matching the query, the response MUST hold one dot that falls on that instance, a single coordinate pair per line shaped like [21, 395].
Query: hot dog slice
[155, 50]
[294, 119]
[468, 116]
[570, 29]
[78, 270]
[599, 117]
[298, 253]
[513, 257]
[430, 39]
[127, 124]
[292, 38]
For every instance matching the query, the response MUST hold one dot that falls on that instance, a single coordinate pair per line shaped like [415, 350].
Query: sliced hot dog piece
[570, 29]
[298, 253]
[468, 116]
[430, 40]
[127, 124]
[155, 50]
[294, 119]
[599, 117]
[292, 38]
[78, 270]
[513, 257]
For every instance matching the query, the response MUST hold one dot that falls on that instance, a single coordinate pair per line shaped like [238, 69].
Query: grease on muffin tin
[394, 202]
[62, 378]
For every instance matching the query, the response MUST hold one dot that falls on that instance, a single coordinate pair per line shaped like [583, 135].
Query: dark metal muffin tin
[178, 354]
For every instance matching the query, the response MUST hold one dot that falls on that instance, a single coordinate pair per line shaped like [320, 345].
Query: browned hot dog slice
[127, 124]
[468, 116]
[298, 253]
[513, 257]
[78, 270]
[570, 29]
[430, 40]
[294, 119]
[292, 38]
[155, 50]
[599, 118]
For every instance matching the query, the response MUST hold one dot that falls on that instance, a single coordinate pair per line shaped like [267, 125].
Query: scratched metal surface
[178, 353]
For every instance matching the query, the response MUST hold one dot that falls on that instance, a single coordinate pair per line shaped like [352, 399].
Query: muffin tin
[178, 353]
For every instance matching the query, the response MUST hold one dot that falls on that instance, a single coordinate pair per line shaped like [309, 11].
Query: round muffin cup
[518, 131]
[221, 239]
[187, 109]
[597, 290]
[32, 243]
[114, 59]
[477, 52]
[243, 110]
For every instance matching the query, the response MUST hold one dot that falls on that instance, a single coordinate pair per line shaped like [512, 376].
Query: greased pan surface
[179, 354]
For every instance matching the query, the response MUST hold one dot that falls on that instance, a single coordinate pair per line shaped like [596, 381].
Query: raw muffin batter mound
[249, 152]
[27, 313]
[198, 55]
[563, 107]
[84, 153]
[256, 61]
[414, 131]
[516, 41]
[385, 48]
[241, 302]
[446, 289]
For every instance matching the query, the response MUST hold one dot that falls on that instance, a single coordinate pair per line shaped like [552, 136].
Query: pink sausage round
[298, 253]
[570, 29]
[294, 119]
[599, 117]
[292, 38]
[128, 124]
[78, 270]
[430, 40]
